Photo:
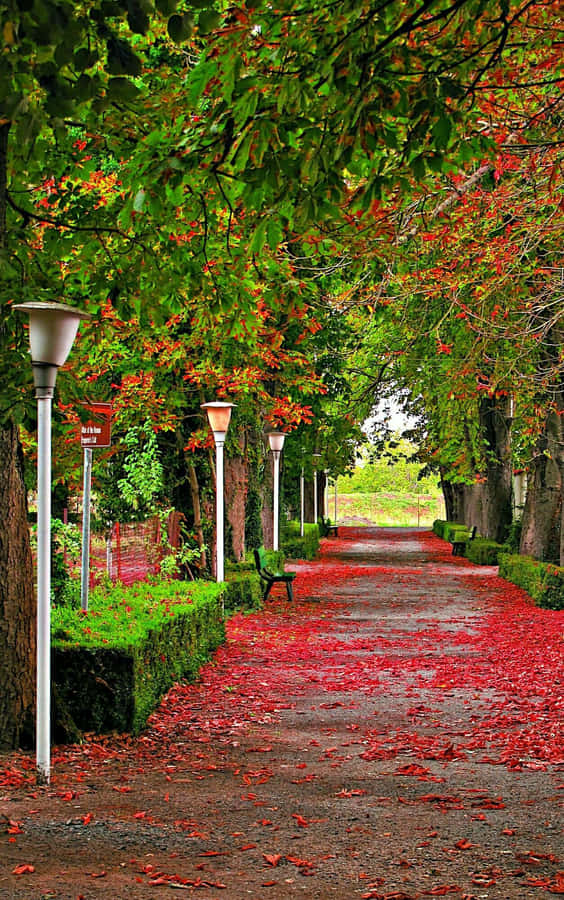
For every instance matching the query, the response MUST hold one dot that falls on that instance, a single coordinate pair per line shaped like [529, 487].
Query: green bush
[439, 526]
[544, 582]
[295, 546]
[112, 664]
[455, 531]
[242, 589]
[484, 552]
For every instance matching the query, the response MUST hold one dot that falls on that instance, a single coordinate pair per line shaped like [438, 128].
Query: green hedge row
[295, 546]
[242, 587]
[544, 582]
[112, 665]
[484, 552]
[450, 531]
[439, 526]
[481, 551]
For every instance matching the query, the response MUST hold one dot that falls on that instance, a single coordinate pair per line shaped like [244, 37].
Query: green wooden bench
[462, 539]
[270, 577]
[332, 529]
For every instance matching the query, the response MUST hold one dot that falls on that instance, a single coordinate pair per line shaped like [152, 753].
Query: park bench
[270, 577]
[459, 544]
[332, 529]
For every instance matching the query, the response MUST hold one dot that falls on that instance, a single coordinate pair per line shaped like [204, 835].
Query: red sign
[96, 432]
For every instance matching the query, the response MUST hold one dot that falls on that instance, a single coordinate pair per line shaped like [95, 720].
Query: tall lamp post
[316, 458]
[219, 414]
[52, 330]
[276, 442]
[302, 502]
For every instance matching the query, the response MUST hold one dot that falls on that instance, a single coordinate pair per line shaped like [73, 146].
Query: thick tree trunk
[497, 494]
[17, 599]
[236, 485]
[543, 517]
[542, 535]
[17, 596]
[455, 500]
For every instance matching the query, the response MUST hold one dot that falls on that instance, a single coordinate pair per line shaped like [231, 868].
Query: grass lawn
[391, 509]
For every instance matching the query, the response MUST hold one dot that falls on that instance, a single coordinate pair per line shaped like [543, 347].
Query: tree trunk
[236, 484]
[497, 503]
[455, 500]
[543, 517]
[17, 599]
[17, 596]
[542, 535]
[197, 510]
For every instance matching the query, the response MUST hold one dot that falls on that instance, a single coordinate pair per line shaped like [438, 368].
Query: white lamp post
[52, 330]
[276, 442]
[302, 502]
[316, 458]
[219, 414]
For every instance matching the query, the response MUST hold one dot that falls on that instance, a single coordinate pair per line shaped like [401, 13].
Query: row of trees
[304, 209]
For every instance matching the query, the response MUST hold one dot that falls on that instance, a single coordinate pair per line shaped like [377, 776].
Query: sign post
[96, 432]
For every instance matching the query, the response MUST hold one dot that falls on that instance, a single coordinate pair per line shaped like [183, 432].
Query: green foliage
[143, 480]
[544, 582]
[456, 532]
[131, 646]
[484, 552]
[513, 539]
[439, 527]
[66, 546]
[253, 523]
[242, 588]
[296, 547]
[391, 468]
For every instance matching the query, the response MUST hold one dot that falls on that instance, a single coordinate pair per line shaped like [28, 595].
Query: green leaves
[121, 58]
[180, 27]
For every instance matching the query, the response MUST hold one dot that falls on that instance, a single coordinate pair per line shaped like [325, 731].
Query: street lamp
[52, 330]
[316, 458]
[276, 442]
[219, 414]
[302, 502]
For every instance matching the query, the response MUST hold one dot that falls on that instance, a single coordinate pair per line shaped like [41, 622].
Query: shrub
[295, 546]
[544, 582]
[455, 531]
[484, 552]
[112, 664]
[439, 526]
[242, 588]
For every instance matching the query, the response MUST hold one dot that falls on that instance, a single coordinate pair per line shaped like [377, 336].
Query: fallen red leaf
[301, 822]
[23, 869]
[272, 858]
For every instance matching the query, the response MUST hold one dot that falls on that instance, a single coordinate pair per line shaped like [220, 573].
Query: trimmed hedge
[242, 588]
[450, 531]
[484, 552]
[544, 582]
[295, 546]
[112, 665]
[439, 527]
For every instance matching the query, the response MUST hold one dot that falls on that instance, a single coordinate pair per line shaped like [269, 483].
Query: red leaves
[272, 859]
[157, 877]
[300, 821]
[464, 844]
[23, 869]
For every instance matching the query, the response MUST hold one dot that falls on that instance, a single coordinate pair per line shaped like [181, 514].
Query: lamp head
[52, 330]
[219, 415]
[276, 440]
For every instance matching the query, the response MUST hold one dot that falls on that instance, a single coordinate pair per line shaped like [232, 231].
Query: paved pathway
[395, 734]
